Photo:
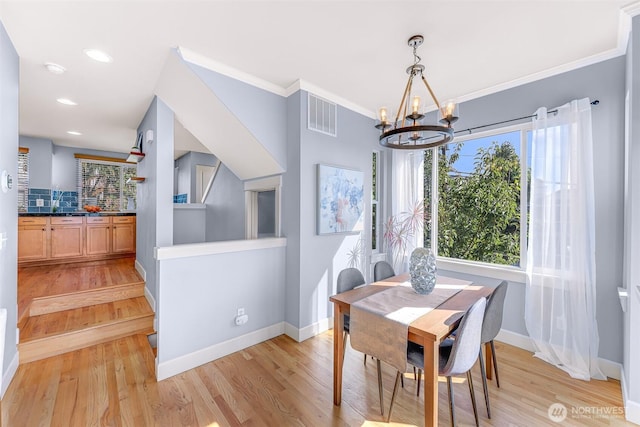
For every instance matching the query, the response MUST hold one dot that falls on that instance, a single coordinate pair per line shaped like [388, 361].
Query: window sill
[512, 274]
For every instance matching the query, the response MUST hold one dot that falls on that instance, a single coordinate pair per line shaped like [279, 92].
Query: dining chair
[348, 279]
[382, 270]
[491, 325]
[456, 356]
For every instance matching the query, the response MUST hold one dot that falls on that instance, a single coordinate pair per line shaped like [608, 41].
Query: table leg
[488, 360]
[338, 349]
[430, 383]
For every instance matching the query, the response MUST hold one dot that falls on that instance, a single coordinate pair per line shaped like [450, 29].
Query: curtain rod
[594, 102]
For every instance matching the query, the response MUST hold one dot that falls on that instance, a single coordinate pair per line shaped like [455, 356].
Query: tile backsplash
[66, 201]
[180, 198]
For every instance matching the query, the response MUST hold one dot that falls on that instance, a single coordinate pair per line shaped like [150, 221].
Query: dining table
[428, 330]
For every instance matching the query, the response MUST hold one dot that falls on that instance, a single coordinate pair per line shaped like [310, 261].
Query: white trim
[492, 271]
[151, 300]
[11, 372]
[214, 248]
[140, 269]
[185, 206]
[310, 331]
[609, 368]
[262, 184]
[234, 73]
[329, 96]
[180, 364]
[632, 9]
[570, 66]
[631, 408]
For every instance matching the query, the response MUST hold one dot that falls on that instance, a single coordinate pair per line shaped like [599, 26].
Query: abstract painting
[340, 200]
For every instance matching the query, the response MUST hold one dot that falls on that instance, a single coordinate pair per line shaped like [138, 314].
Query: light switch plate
[39, 203]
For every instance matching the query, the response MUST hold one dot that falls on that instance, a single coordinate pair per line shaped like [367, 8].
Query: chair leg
[415, 377]
[418, 383]
[402, 380]
[495, 363]
[473, 397]
[344, 344]
[365, 360]
[451, 412]
[380, 387]
[484, 383]
[393, 396]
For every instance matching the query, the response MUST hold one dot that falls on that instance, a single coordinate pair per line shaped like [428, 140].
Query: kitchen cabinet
[32, 238]
[98, 235]
[55, 239]
[124, 234]
[66, 236]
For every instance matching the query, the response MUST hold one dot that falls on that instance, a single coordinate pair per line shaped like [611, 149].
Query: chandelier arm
[433, 96]
[407, 99]
[404, 97]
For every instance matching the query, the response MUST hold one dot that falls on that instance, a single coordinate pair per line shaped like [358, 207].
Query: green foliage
[479, 213]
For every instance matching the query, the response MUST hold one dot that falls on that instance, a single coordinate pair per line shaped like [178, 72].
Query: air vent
[322, 115]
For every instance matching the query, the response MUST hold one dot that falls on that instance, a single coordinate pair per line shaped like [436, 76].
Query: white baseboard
[180, 364]
[609, 368]
[631, 408]
[140, 269]
[308, 331]
[150, 299]
[11, 372]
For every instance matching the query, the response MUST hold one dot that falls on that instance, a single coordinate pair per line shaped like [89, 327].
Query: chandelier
[407, 131]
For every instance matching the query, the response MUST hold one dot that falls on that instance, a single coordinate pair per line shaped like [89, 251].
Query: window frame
[121, 164]
[496, 271]
[375, 201]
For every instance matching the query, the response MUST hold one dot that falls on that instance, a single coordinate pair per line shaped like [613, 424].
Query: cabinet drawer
[98, 220]
[39, 220]
[66, 220]
[123, 219]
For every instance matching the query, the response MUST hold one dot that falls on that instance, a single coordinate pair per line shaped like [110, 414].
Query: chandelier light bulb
[415, 105]
[383, 114]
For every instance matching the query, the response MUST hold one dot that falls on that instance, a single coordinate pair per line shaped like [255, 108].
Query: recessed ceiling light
[98, 55]
[66, 101]
[54, 68]
[74, 132]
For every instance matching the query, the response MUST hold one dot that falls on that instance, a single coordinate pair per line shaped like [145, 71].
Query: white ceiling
[354, 49]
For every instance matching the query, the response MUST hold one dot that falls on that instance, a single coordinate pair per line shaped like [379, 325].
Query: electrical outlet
[242, 319]
[39, 203]
[241, 312]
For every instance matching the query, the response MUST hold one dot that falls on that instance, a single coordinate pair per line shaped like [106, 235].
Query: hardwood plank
[85, 298]
[280, 382]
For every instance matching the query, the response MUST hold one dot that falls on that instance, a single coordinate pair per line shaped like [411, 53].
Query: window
[104, 183]
[23, 179]
[375, 197]
[475, 200]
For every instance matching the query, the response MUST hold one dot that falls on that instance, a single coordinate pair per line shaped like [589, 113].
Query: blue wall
[9, 80]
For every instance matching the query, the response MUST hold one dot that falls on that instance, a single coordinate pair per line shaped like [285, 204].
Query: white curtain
[560, 311]
[408, 184]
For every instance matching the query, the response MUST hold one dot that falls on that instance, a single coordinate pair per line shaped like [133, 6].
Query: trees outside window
[476, 206]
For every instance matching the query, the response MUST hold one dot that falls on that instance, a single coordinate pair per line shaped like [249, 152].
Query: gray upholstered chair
[456, 356]
[490, 327]
[348, 279]
[382, 270]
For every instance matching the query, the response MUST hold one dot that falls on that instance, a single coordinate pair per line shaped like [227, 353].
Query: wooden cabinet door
[98, 236]
[66, 237]
[32, 242]
[123, 235]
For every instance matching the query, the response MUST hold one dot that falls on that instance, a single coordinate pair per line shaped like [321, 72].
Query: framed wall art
[340, 204]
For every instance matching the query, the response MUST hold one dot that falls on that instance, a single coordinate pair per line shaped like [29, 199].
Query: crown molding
[208, 63]
[594, 59]
[632, 9]
[329, 96]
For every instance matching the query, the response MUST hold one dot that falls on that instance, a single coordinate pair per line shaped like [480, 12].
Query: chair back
[493, 313]
[382, 270]
[466, 346]
[348, 279]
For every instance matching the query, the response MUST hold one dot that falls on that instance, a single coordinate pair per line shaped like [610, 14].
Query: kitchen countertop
[79, 213]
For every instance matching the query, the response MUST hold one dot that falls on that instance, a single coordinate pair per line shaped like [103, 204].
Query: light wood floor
[279, 383]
